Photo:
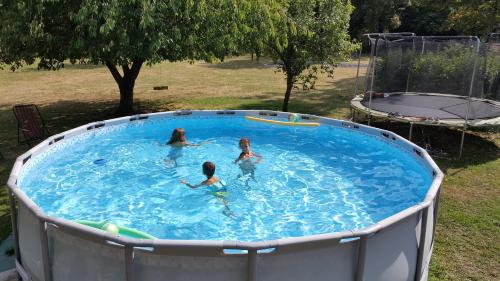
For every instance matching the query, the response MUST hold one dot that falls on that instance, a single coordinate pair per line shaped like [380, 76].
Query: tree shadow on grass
[241, 64]
[67, 66]
[444, 144]
[79, 66]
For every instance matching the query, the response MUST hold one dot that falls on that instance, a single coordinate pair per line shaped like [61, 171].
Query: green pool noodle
[116, 229]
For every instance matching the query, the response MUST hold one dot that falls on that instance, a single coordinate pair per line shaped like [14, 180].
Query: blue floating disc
[100, 161]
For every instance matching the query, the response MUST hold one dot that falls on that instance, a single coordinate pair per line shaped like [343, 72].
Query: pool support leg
[129, 263]
[15, 234]
[360, 268]
[435, 214]
[47, 273]
[411, 131]
[421, 246]
[252, 265]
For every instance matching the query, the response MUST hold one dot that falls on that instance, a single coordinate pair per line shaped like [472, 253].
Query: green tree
[464, 17]
[309, 33]
[474, 17]
[371, 16]
[121, 34]
[425, 19]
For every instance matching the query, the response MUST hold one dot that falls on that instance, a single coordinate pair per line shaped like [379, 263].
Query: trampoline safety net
[429, 78]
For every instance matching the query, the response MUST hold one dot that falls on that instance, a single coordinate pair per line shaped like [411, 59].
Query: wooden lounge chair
[30, 123]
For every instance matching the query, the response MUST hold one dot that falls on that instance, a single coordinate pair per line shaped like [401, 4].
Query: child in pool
[293, 117]
[177, 142]
[218, 189]
[178, 139]
[208, 171]
[246, 164]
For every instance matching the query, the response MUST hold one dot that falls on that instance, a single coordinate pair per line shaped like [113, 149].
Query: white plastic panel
[320, 261]
[75, 259]
[391, 254]
[150, 266]
[30, 243]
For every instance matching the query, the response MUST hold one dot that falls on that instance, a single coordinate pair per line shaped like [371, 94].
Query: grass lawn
[468, 229]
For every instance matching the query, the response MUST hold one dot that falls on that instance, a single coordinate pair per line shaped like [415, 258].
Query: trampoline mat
[433, 106]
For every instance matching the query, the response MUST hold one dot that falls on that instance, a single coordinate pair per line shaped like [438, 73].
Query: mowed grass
[468, 230]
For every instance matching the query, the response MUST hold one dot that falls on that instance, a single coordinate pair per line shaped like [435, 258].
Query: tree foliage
[474, 17]
[309, 33]
[371, 16]
[425, 17]
[123, 34]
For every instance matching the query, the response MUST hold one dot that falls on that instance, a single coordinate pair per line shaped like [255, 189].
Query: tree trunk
[289, 87]
[126, 83]
[126, 106]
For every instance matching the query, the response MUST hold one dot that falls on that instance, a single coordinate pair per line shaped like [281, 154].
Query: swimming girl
[246, 152]
[177, 142]
[247, 166]
[178, 139]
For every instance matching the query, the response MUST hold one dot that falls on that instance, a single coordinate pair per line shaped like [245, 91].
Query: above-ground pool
[339, 199]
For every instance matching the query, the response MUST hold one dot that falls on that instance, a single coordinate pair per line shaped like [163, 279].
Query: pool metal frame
[36, 233]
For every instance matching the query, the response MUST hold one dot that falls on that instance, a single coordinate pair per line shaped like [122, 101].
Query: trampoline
[450, 81]
[432, 109]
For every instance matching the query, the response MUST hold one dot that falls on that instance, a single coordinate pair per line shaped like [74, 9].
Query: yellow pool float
[285, 123]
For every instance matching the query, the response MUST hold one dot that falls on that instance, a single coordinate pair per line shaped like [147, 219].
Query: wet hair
[208, 169]
[244, 141]
[178, 135]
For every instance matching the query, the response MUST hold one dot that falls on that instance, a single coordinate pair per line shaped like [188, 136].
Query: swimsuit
[175, 152]
[218, 189]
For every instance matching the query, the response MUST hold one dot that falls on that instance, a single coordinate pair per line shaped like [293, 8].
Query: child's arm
[196, 144]
[190, 185]
[159, 143]
[191, 144]
[259, 158]
[239, 158]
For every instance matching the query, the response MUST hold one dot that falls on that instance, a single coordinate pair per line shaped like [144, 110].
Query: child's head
[178, 135]
[293, 117]
[244, 144]
[208, 169]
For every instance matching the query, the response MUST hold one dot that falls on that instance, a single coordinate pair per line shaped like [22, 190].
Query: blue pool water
[310, 181]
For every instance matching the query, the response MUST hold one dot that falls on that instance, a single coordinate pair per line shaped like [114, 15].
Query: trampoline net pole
[409, 66]
[357, 75]
[471, 88]
[373, 60]
[357, 70]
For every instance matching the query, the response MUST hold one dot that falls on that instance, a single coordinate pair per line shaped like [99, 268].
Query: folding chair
[30, 123]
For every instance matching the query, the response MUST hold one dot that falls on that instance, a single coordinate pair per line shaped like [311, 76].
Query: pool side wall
[397, 248]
